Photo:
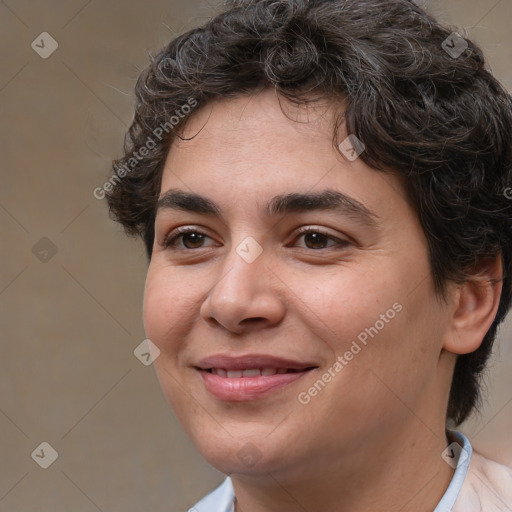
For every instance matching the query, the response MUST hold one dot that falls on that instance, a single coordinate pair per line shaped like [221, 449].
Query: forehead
[261, 145]
[254, 119]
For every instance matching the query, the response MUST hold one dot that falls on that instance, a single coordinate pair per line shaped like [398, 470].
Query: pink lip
[249, 388]
[246, 388]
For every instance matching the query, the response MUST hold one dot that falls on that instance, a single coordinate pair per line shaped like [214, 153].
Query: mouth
[247, 378]
[253, 372]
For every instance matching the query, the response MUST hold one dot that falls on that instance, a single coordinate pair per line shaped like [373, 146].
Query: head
[254, 105]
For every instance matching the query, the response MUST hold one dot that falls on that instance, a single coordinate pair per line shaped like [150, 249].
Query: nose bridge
[243, 291]
[243, 269]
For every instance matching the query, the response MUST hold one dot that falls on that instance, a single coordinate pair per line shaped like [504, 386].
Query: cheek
[343, 304]
[165, 307]
[154, 304]
[166, 325]
[373, 321]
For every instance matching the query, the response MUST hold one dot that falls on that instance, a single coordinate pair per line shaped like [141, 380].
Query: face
[305, 269]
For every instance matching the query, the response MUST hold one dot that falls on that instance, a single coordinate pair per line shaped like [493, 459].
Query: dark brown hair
[440, 120]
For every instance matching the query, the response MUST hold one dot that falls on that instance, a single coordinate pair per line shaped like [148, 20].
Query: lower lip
[247, 388]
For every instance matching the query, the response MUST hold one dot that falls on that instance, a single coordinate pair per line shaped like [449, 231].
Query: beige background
[70, 325]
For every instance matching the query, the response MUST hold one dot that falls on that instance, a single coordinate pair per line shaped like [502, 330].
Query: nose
[246, 296]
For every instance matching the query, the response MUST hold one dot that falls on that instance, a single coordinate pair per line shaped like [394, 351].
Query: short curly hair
[436, 117]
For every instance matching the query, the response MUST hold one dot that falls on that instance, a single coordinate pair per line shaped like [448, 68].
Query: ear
[475, 306]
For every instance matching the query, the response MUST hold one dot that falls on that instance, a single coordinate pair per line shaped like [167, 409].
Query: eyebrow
[326, 200]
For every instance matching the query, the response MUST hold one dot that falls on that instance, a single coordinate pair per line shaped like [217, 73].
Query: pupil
[315, 238]
[193, 238]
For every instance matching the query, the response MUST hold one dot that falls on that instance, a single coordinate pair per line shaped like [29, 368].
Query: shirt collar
[459, 454]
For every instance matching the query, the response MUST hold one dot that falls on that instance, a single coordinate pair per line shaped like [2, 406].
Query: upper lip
[250, 361]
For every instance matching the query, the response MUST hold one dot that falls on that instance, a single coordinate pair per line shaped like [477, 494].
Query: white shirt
[478, 485]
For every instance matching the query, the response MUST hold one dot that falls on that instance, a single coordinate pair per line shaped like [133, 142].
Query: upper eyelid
[181, 231]
[314, 229]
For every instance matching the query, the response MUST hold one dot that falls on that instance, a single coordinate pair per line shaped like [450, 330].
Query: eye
[316, 239]
[190, 238]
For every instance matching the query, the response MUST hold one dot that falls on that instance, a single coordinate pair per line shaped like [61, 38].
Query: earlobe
[475, 306]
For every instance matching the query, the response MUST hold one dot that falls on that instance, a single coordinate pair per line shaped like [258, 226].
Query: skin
[358, 444]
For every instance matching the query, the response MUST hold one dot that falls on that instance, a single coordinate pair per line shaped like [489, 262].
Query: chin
[231, 455]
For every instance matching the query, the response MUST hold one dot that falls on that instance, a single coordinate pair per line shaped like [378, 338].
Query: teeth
[251, 372]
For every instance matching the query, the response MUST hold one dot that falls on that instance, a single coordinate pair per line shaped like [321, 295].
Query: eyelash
[171, 240]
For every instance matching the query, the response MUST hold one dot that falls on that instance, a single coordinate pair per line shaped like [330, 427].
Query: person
[320, 187]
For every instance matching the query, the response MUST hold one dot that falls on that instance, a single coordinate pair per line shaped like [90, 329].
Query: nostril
[253, 320]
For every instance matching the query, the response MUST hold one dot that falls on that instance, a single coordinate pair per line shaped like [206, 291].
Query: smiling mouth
[249, 384]
[254, 372]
